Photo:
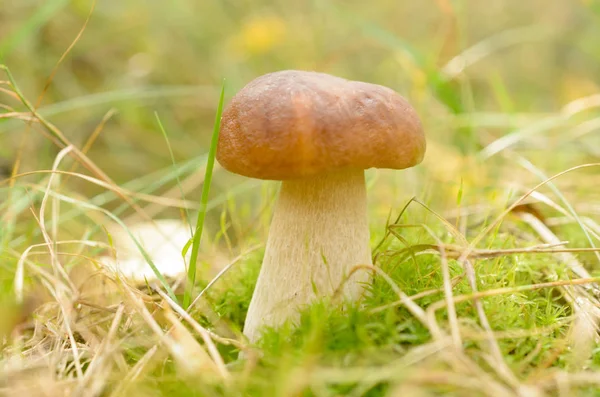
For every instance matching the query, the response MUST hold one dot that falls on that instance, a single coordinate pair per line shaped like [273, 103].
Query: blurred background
[508, 92]
[498, 85]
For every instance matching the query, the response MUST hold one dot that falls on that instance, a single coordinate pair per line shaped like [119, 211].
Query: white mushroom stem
[319, 232]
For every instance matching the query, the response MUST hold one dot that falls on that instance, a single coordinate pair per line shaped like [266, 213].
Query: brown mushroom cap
[294, 124]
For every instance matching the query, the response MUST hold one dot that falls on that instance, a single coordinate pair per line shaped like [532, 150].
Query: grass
[486, 271]
[210, 163]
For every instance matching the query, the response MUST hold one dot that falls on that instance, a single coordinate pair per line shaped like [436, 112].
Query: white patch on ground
[163, 240]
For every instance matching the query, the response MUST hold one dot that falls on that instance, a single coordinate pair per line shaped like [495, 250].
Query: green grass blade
[210, 163]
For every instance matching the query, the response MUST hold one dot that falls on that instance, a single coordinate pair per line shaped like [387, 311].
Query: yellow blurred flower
[573, 87]
[260, 34]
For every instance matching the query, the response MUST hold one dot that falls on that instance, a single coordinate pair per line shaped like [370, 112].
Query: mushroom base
[319, 232]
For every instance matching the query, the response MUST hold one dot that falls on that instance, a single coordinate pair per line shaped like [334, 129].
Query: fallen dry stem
[513, 290]
[455, 252]
[163, 201]
[492, 292]
[515, 333]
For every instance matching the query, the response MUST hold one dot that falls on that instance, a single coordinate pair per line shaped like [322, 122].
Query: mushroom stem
[318, 233]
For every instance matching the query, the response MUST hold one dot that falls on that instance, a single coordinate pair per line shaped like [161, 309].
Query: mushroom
[317, 133]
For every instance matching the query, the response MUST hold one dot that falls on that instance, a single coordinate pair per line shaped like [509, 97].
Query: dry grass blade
[447, 287]
[187, 185]
[583, 334]
[17, 115]
[391, 371]
[163, 201]
[589, 229]
[62, 140]
[190, 356]
[20, 268]
[448, 284]
[499, 364]
[455, 357]
[64, 55]
[510, 208]
[455, 252]
[491, 45]
[579, 105]
[516, 334]
[86, 205]
[222, 272]
[513, 290]
[475, 291]
[568, 207]
[34, 116]
[94, 135]
[584, 329]
[58, 268]
[99, 369]
[177, 340]
[66, 310]
[414, 309]
[565, 255]
[207, 336]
